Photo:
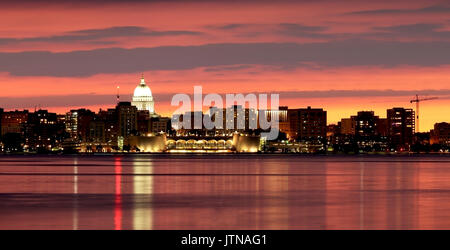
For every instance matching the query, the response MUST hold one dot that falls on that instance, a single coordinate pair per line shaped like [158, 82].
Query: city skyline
[344, 58]
[231, 118]
[243, 127]
[138, 95]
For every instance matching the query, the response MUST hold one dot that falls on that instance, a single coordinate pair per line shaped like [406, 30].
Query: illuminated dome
[142, 89]
[143, 98]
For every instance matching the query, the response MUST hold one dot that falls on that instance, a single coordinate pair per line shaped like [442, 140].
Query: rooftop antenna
[118, 93]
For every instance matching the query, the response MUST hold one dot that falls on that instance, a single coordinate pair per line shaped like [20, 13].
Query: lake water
[224, 192]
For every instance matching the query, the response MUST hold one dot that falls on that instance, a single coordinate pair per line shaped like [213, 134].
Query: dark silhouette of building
[365, 124]
[13, 121]
[160, 124]
[440, 134]
[348, 126]
[1, 113]
[110, 118]
[382, 128]
[43, 132]
[127, 119]
[309, 127]
[369, 134]
[78, 123]
[97, 131]
[306, 124]
[401, 125]
[143, 122]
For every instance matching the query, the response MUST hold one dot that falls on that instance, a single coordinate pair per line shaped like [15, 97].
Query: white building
[143, 98]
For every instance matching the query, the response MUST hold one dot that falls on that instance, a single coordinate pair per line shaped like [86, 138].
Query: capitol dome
[142, 97]
[142, 90]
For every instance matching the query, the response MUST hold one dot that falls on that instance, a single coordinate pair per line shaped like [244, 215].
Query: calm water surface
[224, 192]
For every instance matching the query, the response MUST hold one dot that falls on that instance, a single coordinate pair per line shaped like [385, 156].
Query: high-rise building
[142, 98]
[307, 123]
[97, 131]
[78, 123]
[43, 131]
[234, 118]
[370, 133]
[313, 123]
[127, 114]
[365, 124]
[401, 125]
[110, 118]
[282, 113]
[241, 119]
[308, 127]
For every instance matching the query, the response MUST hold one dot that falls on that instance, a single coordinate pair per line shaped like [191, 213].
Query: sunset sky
[343, 56]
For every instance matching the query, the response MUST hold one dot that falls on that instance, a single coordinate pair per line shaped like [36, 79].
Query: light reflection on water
[224, 192]
[142, 189]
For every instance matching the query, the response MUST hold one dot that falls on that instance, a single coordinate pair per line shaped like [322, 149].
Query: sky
[342, 56]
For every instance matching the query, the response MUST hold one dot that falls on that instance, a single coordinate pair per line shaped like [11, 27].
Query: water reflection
[118, 194]
[142, 190]
[75, 192]
[361, 196]
[224, 192]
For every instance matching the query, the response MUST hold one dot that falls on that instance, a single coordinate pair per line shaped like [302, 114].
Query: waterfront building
[365, 124]
[110, 118]
[281, 113]
[369, 134]
[160, 124]
[401, 124]
[97, 131]
[234, 118]
[382, 127]
[12, 121]
[313, 123]
[43, 132]
[127, 118]
[187, 124]
[103, 133]
[309, 126]
[440, 134]
[348, 126]
[78, 122]
[143, 122]
[307, 123]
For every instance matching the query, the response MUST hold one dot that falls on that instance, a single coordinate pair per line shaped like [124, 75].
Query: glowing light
[118, 194]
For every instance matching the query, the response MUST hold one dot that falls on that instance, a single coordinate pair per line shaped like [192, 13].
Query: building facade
[127, 118]
[440, 134]
[401, 124]
[13, 121]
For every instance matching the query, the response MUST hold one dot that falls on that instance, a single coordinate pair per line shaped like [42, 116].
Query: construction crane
[417, 100]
